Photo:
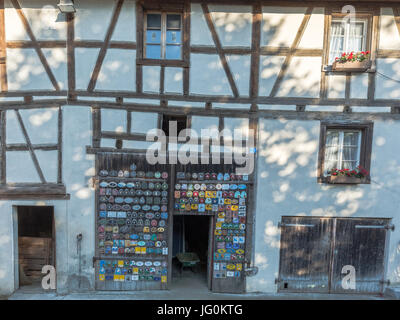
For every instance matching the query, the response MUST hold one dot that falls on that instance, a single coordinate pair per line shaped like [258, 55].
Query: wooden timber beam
[71, 53]
[37, 48]
[218, 46]
[103, 50]
[30, 147]
[294, 45]
[3, 51]
[255, 51]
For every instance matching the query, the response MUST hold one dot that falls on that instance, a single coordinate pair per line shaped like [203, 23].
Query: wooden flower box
[345, 180]
[351, 66]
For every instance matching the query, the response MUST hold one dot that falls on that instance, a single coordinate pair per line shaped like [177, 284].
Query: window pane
[153, 51]
[329, 165]
[351, 165]
[173, 21]
[154, 21]
[350, 153]
[357, 29]
[351, 138]
[173, 52]
[331, 153]
[332, 137]
[337, 28]
[173, 37]
[153, 36]
[337, 41]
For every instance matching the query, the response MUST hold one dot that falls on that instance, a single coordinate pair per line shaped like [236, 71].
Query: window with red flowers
[349, 42]
[345, 152]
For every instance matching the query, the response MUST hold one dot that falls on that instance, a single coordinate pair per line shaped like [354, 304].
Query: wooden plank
[218, 46]
[396, 12]
[325, 51]
[2, 147]
[304, 254]
[96, 125]
[29, 144]
[103, 50]
[25, 147]
[71, 53]
[162, 79]
[294, 45]
[38, 50]
[60, 145]
[139, 51]
[362, 248]
[3, 51]
[255, 51]
[186, 46]
[374, 30]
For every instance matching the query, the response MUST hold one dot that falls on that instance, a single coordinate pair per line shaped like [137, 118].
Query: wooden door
[305, 254]
[360, 243]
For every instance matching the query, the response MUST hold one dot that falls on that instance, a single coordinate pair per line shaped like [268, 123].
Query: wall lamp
[66, 6]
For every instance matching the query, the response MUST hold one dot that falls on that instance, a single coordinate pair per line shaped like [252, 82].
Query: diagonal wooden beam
[220, 52]
[294, 45]
[255, 51]
[396, 12]
[30, 147]
[3, 51]
[106, 43]
[36, 46]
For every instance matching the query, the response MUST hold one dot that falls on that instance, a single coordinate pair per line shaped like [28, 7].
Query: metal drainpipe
[78, 251]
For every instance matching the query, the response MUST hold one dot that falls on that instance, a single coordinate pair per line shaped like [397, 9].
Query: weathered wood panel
[34, 253]
[360, 243]
[304, 254]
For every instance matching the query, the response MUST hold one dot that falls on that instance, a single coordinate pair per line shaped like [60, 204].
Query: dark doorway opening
[36, 242]
[190, 241]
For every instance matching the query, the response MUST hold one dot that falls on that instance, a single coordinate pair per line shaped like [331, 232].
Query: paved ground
[183, 288]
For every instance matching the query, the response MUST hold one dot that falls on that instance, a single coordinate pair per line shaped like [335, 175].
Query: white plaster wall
[389, 37]
[41, 126]
[233, 24]
[279, 25]
[72, 216]
[78, 168]
[207, 75]
[287, 185]
[388, 86]
[44, 17]
[118, 71]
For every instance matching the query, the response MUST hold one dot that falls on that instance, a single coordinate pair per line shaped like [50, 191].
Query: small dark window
[181, 122]
[345, 152]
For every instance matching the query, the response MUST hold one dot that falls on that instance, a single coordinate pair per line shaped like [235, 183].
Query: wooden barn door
[314, 251]
[304, 256]
[360, 243]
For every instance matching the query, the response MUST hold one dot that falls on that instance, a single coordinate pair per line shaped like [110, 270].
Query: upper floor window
[163, 36]
[347, 37]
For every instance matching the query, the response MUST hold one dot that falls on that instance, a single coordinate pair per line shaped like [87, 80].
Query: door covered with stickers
[218, 191]
[132, 221]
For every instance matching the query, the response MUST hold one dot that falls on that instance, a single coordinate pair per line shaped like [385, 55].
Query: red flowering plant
[358, 172]
[353, 56]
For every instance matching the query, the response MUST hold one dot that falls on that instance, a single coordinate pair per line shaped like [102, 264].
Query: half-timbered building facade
[80, 90]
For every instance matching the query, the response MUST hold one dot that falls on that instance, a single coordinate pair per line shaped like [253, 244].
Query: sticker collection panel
[224, 195]
[132, 220]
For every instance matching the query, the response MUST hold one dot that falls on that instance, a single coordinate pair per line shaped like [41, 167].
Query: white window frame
[340, 148]
[163, 39]
[346, 35]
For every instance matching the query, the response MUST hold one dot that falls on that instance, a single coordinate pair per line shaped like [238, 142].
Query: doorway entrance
[36, 243]
[192, 249]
